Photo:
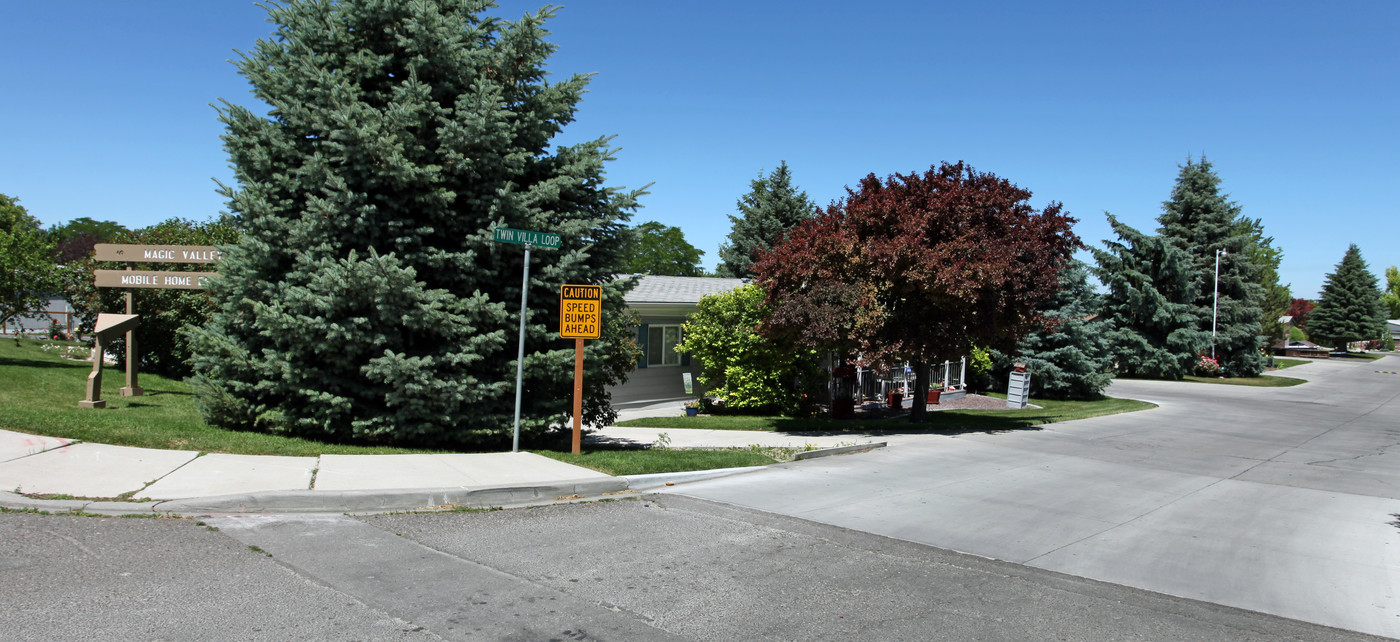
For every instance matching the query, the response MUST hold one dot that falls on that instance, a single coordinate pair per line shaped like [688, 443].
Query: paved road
[1278, 500]
[658, 568]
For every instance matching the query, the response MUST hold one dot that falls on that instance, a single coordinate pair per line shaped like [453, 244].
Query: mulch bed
[971, 401]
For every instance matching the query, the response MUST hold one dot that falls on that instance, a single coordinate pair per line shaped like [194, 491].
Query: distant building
[37, 323]
[664, 303]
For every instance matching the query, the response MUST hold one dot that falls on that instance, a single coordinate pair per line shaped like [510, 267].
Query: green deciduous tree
[771, 208]
[1202, 221]
[161, 339]
[1278, 297]
[26, 271]
[73, 240]
[653, 248]
[748, 370]
[1350, 308]
[1151, 298]
[1070, 358]
[1391, 296]
[918, 268]
[366, 299]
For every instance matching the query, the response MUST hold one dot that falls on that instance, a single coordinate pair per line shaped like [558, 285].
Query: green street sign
[545, 240]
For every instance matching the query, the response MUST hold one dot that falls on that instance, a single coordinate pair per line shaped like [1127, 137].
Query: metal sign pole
[520, 355]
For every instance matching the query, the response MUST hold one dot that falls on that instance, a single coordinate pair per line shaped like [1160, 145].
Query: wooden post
[132, 388]
[578, 394]
[94, 379]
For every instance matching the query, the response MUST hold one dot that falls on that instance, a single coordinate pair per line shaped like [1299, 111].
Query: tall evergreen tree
[366, 298]
[1070, 358]
[771, 208]
[1151, 302]
[1202, 221]
[1350, 308]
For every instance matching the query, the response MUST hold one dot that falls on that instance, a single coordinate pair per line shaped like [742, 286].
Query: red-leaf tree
[918, 269]
[1299, 309]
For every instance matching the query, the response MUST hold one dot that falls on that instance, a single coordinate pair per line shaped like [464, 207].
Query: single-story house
[664, 303]
[1394, 326]
[1301, 349]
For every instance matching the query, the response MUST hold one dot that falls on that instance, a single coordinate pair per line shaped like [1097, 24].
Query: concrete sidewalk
[118, 479]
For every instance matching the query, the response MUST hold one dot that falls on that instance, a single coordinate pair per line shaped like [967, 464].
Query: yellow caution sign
[580, 311]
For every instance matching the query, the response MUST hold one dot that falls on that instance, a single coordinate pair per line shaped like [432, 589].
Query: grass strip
[940, 421]
[1257, 382]
[639, 461]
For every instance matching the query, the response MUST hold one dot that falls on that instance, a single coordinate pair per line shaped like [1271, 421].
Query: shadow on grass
[181, 393]
[943, 423]
[44, 363]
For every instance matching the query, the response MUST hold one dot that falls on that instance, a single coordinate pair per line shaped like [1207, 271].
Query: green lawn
[1258, 382]
[1280, 363]
[1368, 356]
[940, 421]
[41, 391]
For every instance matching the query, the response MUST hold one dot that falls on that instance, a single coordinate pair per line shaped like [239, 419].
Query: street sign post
[546, 240]
[580, 317]
[542, 240]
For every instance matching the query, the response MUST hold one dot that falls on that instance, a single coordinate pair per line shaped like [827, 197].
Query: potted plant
[692, 407]
[935, 393]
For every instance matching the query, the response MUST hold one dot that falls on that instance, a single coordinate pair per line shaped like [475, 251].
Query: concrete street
[654, 568]
[1279, 500]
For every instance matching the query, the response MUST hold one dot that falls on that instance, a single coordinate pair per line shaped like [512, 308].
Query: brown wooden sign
[156, 253]
[149, 279]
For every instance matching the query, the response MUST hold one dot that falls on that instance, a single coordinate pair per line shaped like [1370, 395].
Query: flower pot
[896, 399]
[691, 412]
[934, 395]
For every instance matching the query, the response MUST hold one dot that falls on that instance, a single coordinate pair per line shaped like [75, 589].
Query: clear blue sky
[106, 106]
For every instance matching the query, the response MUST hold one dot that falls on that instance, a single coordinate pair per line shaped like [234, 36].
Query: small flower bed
[1207, 366]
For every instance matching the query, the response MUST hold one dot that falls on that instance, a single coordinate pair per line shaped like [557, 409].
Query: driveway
[1279, 500]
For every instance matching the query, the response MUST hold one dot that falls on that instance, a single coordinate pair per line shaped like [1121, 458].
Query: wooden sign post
[130, 278]
[580, 317]
[109, 327]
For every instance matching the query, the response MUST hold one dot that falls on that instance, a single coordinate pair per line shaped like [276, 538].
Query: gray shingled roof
[678, 289]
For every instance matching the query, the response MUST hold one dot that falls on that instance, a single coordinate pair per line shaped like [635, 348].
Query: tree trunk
[918, 405]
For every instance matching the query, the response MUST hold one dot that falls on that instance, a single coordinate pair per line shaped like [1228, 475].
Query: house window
[661, 345]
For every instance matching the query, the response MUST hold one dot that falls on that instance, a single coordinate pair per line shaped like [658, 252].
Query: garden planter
[933, 395]
[895, 399]
[691, 412]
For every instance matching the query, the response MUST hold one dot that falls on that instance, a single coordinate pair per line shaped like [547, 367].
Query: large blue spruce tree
[1202, 222]
[367, 300]
[1070, 358]
[1150, 304]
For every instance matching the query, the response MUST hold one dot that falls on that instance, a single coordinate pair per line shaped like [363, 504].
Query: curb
[350, 501]
[839, 450]
[394, 500]
[379, 501]
[656, 480]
